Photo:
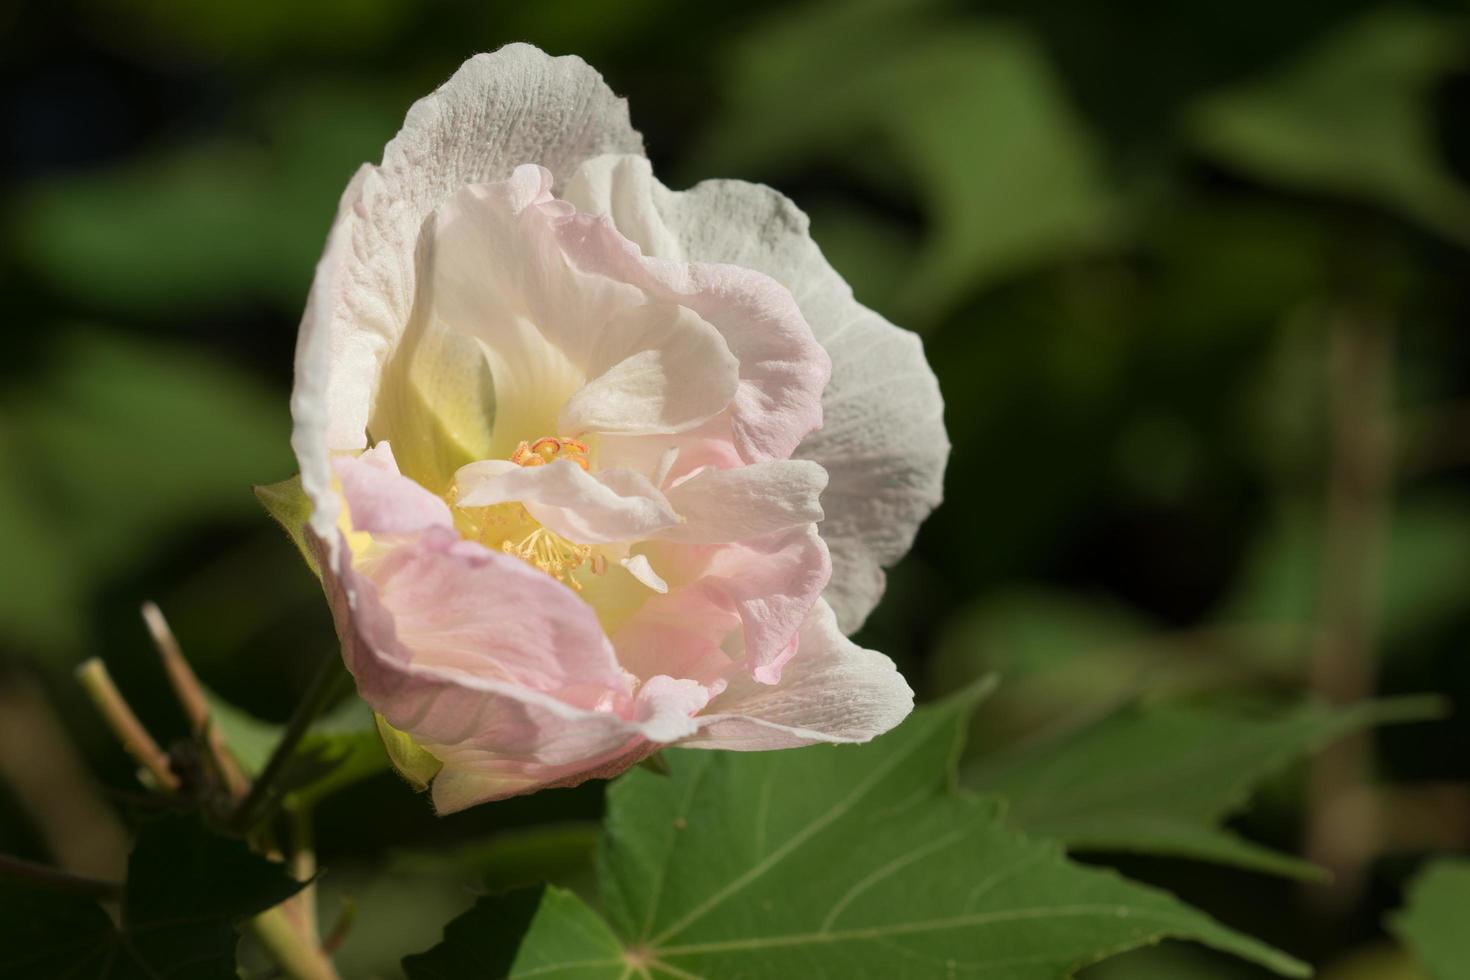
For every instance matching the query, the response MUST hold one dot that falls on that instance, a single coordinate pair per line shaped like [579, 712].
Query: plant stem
[289, 931]
[324, 688]
[1343, 829]
[125, 724]
[52, 784]
[190, 695]
[298, 954]
[303, 868]
[57, 880]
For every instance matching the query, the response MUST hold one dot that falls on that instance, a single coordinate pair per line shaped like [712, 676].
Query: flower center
[555, 555]
[512, 529]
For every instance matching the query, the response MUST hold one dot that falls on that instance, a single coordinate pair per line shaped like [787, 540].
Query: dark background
[1193, 278]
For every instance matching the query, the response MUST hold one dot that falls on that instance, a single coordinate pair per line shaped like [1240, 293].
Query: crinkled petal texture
[882, 441]
[569, 439]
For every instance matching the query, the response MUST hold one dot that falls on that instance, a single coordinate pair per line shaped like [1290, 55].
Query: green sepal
[413, 762]
[289, 505]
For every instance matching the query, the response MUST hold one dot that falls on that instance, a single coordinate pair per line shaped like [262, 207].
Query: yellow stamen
[512, 529]
[552, 553]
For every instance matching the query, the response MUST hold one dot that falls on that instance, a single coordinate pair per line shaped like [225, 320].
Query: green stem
[259, 804]
[300, 956]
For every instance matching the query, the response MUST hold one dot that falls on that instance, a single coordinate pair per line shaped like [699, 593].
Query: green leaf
[186, 891]
[1061, 656]
[347, 738]
[1170, 961]
[853, 861]
[1435, 924]
[1352, 117]
[287, 502]
[341, 748]
[482, 942]
[1159, 779]
[970, 117]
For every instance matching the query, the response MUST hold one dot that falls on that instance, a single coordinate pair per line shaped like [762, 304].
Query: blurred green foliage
[1129, 234]
[1159, 779]
[1433, 923]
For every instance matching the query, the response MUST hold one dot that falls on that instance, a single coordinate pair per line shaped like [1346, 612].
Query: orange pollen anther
[549, 448]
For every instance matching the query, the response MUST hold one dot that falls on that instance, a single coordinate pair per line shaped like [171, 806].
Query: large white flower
[597, 466]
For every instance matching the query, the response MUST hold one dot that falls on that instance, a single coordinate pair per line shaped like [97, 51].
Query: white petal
[665, 465]
[882, 441]
[737, 504]
[609, 506]
[783, 368]
[517, 105]
[639, 568]
[655, 368]
[831, 691]
[497, 275]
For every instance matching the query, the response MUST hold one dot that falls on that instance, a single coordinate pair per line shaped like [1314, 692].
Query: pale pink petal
[667, 706]
[771, 583]
[496, 669]
[681, 634]
[765, 587]
[831, 691]
[459, 607]
[529, 744]
[499, 110]
[882, 439]
[380, 501]
[589, 508]
[782, 367]
[667, 459]
[655, 368]
[720, 505]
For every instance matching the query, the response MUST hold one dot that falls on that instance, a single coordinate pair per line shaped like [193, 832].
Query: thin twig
[190, 694]
[1343, 828]
[55, 879]
[125, 724]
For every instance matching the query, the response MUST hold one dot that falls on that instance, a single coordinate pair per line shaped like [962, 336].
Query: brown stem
[52, 784]
[1343, 827]
[124, 724]
[55, 879]
[190, 695]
